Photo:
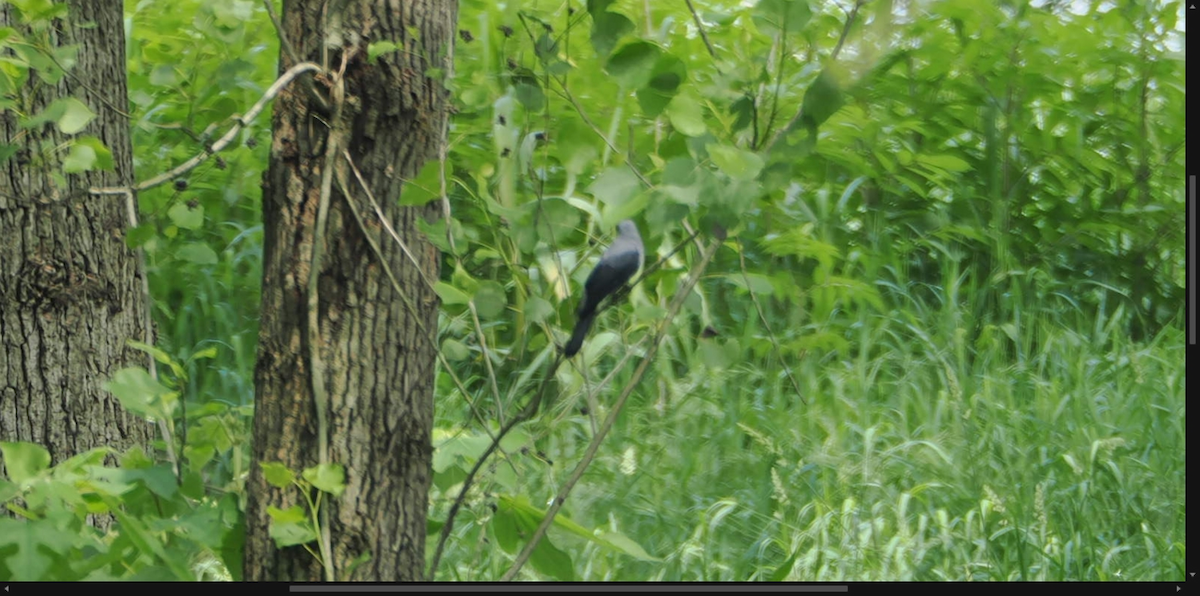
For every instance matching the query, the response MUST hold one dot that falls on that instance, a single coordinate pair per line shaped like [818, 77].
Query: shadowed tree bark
[375, 372]
[70, 290]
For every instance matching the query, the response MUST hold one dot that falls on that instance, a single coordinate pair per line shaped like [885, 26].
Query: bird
[615, 268]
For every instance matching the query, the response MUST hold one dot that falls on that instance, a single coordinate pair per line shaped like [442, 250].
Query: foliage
[959, 219]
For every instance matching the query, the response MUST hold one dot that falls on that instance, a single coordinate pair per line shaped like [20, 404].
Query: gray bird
[622, 259]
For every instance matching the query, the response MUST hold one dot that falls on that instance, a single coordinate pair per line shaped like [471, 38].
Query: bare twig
[594, 446]
[221, 143]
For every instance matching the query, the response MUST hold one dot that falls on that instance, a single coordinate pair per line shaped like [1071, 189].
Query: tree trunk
[70, 289]
[378, 369]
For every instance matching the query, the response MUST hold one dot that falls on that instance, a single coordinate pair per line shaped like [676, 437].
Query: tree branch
[594, 446]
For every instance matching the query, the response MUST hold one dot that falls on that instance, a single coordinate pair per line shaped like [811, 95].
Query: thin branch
[525, 414]
[395, 283]
[528, 412]
[221, 143]
[703, 35]
[594, 446]
[837, 49]
[288, 48]
[387, 225]
[148, 330]
[763, 317]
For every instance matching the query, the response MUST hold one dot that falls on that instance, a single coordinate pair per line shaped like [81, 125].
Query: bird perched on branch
[622, 259]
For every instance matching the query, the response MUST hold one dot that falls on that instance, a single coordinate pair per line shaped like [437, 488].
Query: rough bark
[379, 371]
[70, 290]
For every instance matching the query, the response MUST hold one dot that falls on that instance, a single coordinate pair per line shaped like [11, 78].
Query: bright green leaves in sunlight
[24, 461]
[69, 114]
[87, 153]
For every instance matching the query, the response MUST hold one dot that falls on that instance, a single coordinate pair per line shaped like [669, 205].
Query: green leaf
[424, 187]
[822, 100]
[292, 534]
[209, 352]
[163, 75]
[738, 164]
[277, 474]
[186, 217]
[538, 309]
[668, 74]
[786, 16]
[624, 544]
[291, 515]
[379, 48]
[192, 486]
[714, 355]
[87, 154]
[160, 356]
[198, 253]
[8, 490]
[233, 548]
[633, 64]
[552, 561]
[455, 350]
[686, 115]
[104, 158]
[139, 236]
[138, 392]
[160, 480]
[607, 29]
[330, 478]
[75, 116]
[28, 563]
[81, 158]
[530, 96]
[490, 300]
[526, 513]
[148, 542]
[23, 460]
[616, 186]
[39, 10]
[782, 572]
[450, 294]
[504, 529]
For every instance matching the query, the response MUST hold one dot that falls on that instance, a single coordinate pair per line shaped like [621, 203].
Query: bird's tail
[581, 329]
